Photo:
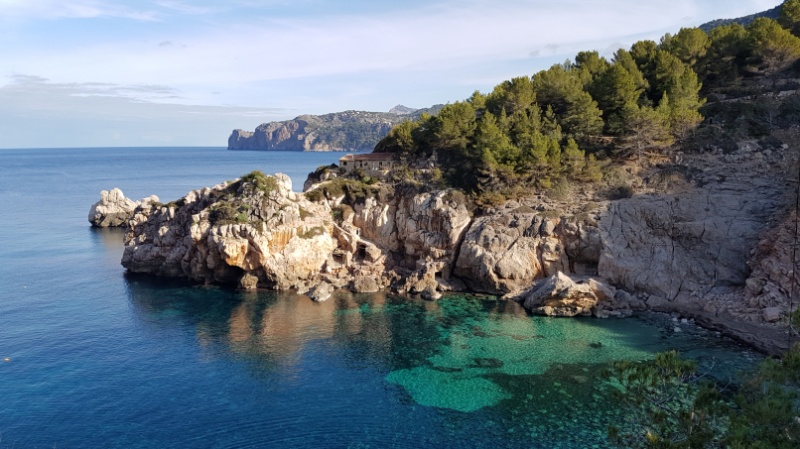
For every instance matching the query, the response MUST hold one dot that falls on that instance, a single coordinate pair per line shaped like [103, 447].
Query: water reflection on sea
[379, 358]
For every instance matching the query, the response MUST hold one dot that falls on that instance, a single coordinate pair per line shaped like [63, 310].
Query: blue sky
[186, 72]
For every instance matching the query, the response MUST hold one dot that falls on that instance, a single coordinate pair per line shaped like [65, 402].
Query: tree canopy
[559, 122]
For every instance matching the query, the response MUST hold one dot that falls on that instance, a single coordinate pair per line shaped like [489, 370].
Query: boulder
[507, 251]
[559, 295]
[772, 314]
[320, 292]
[366, 284]
[114, 209]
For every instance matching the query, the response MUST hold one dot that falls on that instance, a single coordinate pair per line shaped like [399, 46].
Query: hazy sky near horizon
[186, 72]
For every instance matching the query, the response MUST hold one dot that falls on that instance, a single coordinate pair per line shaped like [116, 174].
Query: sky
[94, 73]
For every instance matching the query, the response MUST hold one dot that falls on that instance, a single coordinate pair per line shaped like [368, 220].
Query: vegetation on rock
[574, 121]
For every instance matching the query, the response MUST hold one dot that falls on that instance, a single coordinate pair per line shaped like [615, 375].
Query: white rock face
[688, 245]
[422, 232]
[114, 209]
[508, 251]
[239, 234]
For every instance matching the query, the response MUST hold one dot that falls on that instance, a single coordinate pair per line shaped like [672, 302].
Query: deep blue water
[97, 358]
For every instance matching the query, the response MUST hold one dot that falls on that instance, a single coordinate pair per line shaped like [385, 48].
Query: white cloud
[210, 53]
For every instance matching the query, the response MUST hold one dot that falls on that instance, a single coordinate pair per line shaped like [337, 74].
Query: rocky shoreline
[716, 250]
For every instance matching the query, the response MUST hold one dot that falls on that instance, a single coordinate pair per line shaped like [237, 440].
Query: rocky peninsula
[716, 248]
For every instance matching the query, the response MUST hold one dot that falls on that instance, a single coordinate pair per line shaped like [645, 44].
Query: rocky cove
[717, 248]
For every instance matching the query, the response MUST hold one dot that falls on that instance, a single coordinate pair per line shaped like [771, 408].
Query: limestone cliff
[340, 131]
[254, 232]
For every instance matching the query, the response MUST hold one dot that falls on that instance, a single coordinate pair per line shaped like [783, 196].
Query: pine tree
[790, 16]
[400, 141]
[648, 130]
[573, 159]
[494, 145]
[773, 46]
[626, 60]
[590, 65]
[561, 89]
[455, 126]
[644, 53]
[511, 96]
[617, 94]
[689, 45]
[727, 51]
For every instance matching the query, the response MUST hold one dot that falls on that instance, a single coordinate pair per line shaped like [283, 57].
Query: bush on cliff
[354, 191]
[258, 181]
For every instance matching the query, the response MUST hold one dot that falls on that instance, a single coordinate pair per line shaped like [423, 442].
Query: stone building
[373, 163]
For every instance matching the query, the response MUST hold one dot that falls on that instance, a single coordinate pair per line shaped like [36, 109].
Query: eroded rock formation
[114, 209]
[255, 232]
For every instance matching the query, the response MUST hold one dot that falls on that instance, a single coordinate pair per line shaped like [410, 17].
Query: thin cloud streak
[448, 37]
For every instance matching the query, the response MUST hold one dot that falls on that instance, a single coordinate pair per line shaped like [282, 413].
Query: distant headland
[338, 131]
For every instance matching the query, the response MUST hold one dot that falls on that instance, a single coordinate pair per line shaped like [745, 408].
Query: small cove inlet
[98, 358]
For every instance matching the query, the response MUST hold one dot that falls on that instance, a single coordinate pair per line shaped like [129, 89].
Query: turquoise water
[98, 358]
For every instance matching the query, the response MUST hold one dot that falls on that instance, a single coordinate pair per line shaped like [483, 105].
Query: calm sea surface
[100, 359]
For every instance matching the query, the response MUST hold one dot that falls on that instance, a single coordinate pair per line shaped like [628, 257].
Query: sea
[94, 357]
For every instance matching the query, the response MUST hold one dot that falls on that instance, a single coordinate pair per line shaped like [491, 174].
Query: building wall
[369, 166]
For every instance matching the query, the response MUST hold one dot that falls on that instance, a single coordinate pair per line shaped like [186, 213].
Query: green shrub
[354, 192]
[226, 212]
[455, 196]
[619, 192]
[490, 199]
[561, 191]
[260, 182]
[314, 195]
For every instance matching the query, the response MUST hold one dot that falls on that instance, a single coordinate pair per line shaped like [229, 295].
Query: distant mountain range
[773, 13]
[339, 131]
